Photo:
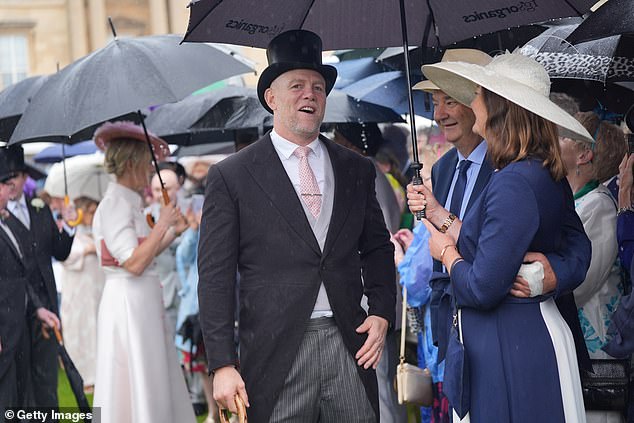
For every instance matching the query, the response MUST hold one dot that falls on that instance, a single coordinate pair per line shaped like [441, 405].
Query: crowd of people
[272, 284]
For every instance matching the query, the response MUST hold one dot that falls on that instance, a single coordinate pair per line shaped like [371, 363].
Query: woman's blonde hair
[609, 148]
[123, 150]
[518, 134]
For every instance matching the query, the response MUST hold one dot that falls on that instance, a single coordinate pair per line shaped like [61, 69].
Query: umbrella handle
[80, 214]
[58, 335]
[242, 411]
[166, 199]
[417, 180]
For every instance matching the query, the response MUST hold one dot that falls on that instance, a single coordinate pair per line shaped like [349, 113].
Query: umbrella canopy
[85, 175]
[55, 153]
[608, 59]
[492, 44]
[389, 89]
[215, 115]
[350, 71]
[127, 75]
[13, 101]
[366, 23]
[614, 17]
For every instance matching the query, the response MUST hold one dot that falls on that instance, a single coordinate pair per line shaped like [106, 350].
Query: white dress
[139, 379]
[81, 293]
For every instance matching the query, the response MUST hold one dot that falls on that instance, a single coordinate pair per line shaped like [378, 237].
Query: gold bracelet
[447, 223]
[444, 250]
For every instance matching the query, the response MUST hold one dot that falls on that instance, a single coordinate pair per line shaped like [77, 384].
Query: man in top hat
[12, 295]
[297, 216]
[32, 221]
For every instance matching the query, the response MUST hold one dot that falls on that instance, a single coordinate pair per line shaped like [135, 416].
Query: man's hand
[48, 318]
[227, 383]
[370, 352]
[520, 287]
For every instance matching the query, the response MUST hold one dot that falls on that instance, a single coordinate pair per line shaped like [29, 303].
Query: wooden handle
[242, 411]
[80, 214]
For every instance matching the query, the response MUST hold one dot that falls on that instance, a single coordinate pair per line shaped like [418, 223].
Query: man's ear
[269, 97]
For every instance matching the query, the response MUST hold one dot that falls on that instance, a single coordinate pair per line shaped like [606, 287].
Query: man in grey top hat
[297, 216]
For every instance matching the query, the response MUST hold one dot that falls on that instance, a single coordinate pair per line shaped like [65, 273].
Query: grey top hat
[295, 49]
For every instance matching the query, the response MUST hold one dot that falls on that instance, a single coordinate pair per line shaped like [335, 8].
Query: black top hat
[15, 157]
[295, 49]
[5, 165]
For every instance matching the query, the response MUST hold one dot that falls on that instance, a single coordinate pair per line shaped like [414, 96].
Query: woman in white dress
[138, 379]
[81, 293]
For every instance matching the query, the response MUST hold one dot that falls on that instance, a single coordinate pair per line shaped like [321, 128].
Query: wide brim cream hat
[513, 76]
[467, 55]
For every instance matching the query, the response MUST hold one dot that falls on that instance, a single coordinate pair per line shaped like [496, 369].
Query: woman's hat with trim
[467, 55]
[129, 130]
[513, 76]
[294, 49]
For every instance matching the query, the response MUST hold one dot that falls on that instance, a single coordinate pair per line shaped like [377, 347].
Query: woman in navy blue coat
[521, 359]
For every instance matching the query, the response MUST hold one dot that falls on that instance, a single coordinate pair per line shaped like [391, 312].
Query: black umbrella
[13, 101]
[607, 59]
[614, 17]
[589, 70]
[214, 116]
[117, 80]
[368, 24]
[344, 24]
[74, 378]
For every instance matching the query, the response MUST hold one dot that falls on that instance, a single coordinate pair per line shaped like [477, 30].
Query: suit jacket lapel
[445, 178]
[345, 172]
[269, 174]
[6, 238]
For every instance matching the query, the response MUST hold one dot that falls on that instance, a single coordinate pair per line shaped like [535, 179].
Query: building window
[14, 65]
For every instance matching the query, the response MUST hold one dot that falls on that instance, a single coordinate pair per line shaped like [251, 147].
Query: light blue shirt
[477, 158]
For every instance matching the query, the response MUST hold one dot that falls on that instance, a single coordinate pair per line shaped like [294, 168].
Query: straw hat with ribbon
[513, 76]
[467, 55]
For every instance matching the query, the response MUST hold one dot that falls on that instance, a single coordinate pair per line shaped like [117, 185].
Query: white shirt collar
[13, 204]
[476, 156]
[286, 148]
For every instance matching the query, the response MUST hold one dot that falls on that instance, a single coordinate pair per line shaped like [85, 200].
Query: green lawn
[67, 399]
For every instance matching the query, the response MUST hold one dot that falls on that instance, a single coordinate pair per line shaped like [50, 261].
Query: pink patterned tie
[308, 187]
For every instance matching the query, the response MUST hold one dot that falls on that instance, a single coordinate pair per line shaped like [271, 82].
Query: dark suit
[253, 220]
[42, 241]
[12, 325]
[442, 173]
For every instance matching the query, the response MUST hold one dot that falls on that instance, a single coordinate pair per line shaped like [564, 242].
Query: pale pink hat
[125, 129]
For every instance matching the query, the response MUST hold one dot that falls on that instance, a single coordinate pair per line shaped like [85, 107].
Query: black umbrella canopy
[128, 74]
[367, 23]
[13, 101]
[614, 17]
[75, 380]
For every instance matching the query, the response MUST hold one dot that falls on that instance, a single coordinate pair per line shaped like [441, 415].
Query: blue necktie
[458, 190]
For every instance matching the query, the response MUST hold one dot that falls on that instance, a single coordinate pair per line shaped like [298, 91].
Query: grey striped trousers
[323, 384]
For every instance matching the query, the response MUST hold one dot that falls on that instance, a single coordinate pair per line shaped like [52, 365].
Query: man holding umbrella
[12, 296]
[32, 221]
[298, 217]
